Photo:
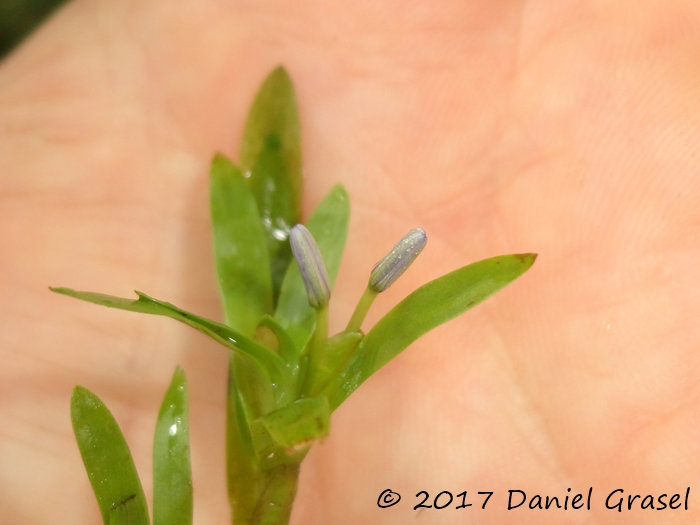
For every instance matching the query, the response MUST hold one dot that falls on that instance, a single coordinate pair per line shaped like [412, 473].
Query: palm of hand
[497, 129]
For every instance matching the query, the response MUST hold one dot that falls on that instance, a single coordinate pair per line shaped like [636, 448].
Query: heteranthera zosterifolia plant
[286, 374]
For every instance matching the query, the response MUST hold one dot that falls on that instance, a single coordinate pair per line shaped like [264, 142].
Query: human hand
[569, 131]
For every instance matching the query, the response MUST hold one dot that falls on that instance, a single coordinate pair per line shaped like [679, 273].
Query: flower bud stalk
[361, 310]
[320, 335]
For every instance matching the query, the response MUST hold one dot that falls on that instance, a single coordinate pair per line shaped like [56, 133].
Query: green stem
[361, 309]
[314, 349]
[274, 506]
[321, 331]
[243, 474]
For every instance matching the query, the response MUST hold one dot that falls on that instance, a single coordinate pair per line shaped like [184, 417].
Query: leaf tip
[80, 399]
[527, 259]
[279, 75]
[220, 164]
[339, 193]
[179, 375]
[78, 391]
[219, 158]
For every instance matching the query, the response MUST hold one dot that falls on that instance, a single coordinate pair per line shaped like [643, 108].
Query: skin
[567, 130]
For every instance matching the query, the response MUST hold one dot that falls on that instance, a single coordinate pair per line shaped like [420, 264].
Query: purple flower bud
[311, 265]
[391, 267]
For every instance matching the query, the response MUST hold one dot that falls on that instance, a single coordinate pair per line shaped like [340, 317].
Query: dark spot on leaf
[272, 141]
[525, 258]
[124, 502]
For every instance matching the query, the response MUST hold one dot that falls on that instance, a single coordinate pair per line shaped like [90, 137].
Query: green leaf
[329, 360]
[274, 505]
[285, 435]
[281, 377]
[329, 226]
[172, 472]
[426, 308]
[242, 261]
[271, 161]
[128, 512]
[244, 479]
[285, 345]
[108, 462]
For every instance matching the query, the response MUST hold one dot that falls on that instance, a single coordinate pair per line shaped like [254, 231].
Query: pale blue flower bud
[391, 267]
[311, 265]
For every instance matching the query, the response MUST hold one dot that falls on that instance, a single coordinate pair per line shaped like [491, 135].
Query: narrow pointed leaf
[426, 308]
[242, 260]
[172, 471]
[329, 226]
[108, 462]
[271, 161]
[267, 360]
